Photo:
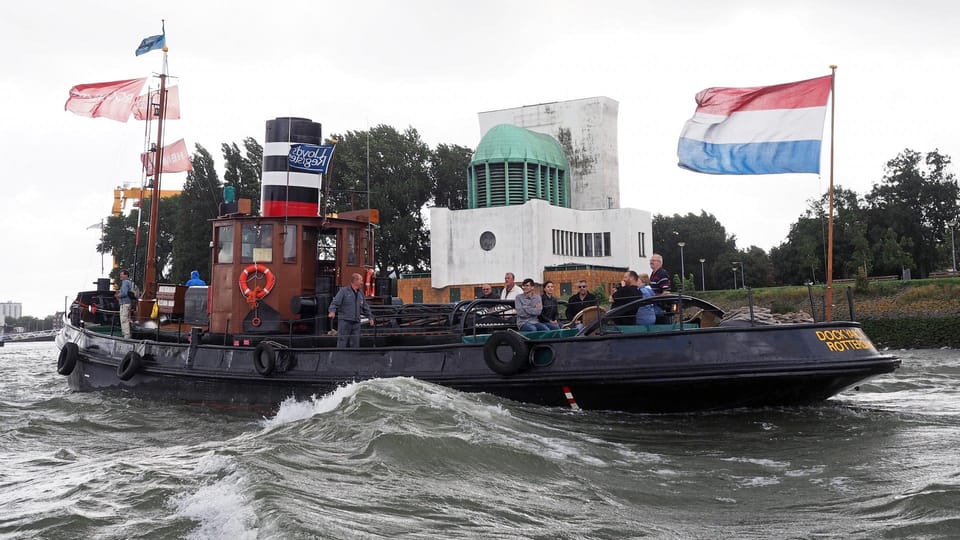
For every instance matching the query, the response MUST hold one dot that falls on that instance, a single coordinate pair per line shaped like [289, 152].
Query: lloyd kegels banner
[310, 157]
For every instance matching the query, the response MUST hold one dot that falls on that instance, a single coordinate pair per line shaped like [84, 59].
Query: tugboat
[259, 333]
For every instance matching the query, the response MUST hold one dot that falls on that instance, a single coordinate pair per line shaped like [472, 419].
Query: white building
[14, 310]
[587, 131]
[478, 245]
[540, 201]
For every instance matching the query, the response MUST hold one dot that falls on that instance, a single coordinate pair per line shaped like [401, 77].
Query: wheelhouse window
[327, 247]
[351, 246]
[256, 243]
[290, 244]
[224, 243]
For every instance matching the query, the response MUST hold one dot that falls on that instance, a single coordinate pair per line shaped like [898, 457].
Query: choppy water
[401, 458]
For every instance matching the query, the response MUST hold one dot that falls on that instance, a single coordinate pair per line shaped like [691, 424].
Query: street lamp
[703, 278]
[743, 275]
[734, 277]
[683, 275]
[953, 245]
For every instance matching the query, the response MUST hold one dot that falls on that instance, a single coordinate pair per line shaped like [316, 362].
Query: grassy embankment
[896, 314]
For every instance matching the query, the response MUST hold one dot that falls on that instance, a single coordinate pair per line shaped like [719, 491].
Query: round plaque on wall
[487, 240]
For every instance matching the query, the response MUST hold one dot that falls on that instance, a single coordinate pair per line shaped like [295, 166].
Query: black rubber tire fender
[69, 356]
[129, 366]
[519, 359]
[264, 358]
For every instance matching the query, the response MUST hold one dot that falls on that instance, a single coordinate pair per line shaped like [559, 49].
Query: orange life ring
[368, 283]
[257, 292]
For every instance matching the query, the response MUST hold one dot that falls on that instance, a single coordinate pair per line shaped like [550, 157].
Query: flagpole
[828, 308]
[145, 307]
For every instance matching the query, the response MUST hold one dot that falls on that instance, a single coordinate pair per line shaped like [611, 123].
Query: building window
[418, 296]
[579, 244]
[642, 237]
[454, 294]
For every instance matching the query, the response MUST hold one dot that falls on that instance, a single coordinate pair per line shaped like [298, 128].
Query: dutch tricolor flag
[759, 130]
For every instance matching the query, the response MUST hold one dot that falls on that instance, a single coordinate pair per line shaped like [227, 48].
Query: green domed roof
[506, 142]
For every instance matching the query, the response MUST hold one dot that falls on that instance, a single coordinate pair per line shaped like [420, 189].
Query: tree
[756, 269]
[893, 253]
[703, 237]
[244, 172]
[448, 172]
[802, 257]
[121, 238]
[916, 198]
[199, 203]
[400, 185]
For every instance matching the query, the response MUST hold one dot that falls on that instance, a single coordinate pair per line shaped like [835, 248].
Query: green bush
[914, 332]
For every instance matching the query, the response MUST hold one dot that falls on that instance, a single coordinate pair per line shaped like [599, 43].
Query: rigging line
[286, 198]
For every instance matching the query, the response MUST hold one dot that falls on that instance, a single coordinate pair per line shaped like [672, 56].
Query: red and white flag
[175, 158]
[113, 100]
[153, 96]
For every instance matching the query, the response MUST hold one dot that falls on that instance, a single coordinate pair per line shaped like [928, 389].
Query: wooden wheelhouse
[278, 274]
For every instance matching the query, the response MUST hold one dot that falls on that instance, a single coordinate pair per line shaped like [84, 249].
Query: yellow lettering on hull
[844, 339]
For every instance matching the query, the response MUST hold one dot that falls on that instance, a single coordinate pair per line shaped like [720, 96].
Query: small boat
[260, 334]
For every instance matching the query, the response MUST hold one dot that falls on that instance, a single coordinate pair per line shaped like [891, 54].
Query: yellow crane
[122, 194]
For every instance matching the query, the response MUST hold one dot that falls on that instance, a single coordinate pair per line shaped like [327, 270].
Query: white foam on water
[758, 481]
[212, 463]
[769, 463]
[222, 510]
[292, 410]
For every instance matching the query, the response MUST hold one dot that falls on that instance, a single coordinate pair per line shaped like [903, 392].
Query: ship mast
[145, 307]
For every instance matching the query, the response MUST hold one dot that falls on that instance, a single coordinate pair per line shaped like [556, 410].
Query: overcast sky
[434, 65]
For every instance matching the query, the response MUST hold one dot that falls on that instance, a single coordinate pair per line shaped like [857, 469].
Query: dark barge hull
[688, 370]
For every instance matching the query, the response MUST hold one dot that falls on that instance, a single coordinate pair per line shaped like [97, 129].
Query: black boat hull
[699, 369]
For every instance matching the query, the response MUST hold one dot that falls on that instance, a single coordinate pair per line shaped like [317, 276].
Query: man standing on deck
[353, 307]
[659, 277]
[123, 295]
[660, 283]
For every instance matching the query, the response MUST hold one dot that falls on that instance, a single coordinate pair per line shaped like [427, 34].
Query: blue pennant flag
[150, 43]
[310, 157]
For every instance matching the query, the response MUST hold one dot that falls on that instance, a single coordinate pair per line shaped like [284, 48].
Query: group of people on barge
[540, 312]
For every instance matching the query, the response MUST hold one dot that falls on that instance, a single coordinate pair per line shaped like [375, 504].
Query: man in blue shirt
[352, 307]
[123, 295]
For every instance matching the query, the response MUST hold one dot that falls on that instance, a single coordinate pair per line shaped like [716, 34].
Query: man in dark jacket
[353, 307]
[581, 299]
[628, 292]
